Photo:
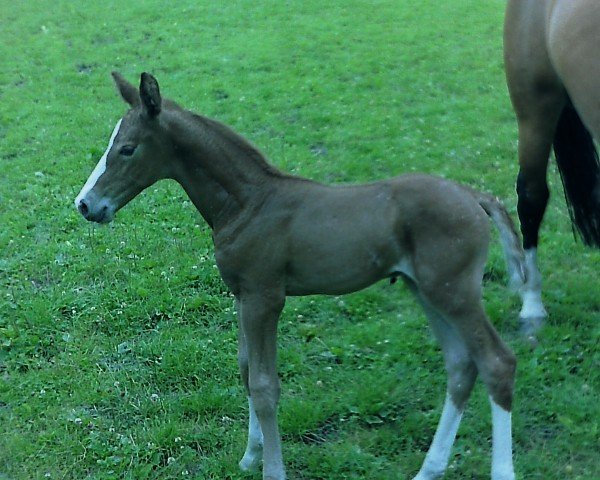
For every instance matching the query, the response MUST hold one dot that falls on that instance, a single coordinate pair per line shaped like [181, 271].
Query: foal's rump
[451, 231]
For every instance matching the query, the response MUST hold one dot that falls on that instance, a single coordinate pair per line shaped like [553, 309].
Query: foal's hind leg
[496, 366]
[462, 373]
[469, 341]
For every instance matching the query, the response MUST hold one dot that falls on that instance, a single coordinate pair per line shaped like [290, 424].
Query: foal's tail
[577, 160]
[509, 238]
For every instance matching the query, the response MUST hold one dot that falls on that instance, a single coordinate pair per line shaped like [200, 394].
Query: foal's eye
[127, 150]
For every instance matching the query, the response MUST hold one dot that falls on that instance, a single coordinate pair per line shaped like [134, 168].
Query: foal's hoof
[250, 462]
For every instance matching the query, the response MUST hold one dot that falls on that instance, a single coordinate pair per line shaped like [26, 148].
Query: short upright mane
[237, 142]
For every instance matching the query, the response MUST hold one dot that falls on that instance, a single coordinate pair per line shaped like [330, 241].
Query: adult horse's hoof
[533, 314]
[529, 328]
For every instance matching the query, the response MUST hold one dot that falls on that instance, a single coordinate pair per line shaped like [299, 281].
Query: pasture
[118, 343]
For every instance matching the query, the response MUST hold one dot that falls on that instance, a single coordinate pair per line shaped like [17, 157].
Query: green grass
[118, 344]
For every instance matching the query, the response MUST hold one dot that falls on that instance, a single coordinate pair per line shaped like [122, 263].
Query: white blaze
[100, 168]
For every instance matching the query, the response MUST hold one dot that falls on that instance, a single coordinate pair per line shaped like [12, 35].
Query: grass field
[118, 344]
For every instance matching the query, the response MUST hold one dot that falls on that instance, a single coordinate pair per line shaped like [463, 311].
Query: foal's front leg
[258, 320]
[254, 448]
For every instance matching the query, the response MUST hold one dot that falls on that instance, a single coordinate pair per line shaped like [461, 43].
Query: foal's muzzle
[99, 212]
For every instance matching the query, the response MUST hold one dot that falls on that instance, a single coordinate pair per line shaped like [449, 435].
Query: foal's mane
[228, 139]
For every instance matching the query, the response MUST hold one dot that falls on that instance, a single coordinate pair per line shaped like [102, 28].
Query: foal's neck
[220, 171]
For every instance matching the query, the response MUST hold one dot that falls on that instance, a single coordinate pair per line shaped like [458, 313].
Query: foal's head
[135, 157]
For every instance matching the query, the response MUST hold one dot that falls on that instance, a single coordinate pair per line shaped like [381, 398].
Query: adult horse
[277, 235]
[552, 60]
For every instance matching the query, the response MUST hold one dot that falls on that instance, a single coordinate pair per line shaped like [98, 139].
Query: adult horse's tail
[579, 168]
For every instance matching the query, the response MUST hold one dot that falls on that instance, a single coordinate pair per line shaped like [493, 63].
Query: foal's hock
[277, 235]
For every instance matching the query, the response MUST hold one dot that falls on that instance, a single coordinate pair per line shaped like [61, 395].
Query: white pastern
[533, 306]
[253, 455]
[532, 290]
[502, 463]
[438, 455]
[100, 168]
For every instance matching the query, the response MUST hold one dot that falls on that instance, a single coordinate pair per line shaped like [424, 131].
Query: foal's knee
[265, 393]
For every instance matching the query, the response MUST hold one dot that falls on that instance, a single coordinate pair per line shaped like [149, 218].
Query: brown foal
[277, 235]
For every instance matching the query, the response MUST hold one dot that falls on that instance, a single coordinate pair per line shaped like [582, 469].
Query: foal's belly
[340, 262]
[330, 282]
[342, 239]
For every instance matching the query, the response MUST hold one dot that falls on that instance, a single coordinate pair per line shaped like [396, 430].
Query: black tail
[579, 168]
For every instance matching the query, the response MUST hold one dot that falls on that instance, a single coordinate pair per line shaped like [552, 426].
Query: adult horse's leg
[538, 98]
[254, 448]
[462, 373]
[259, 317]
[537, 117]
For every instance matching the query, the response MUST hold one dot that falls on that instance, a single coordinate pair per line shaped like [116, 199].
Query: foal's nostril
[83, 208]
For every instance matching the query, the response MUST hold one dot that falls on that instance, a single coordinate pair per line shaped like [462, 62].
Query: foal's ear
[150, 94]
[129, 93]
